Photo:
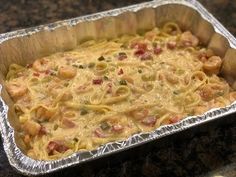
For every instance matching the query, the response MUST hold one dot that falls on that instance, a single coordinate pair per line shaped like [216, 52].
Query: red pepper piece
[97, 81]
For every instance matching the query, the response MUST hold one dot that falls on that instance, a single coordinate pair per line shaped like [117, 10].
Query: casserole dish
[29, 44]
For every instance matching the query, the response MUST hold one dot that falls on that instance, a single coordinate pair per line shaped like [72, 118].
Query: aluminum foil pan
[17, 47]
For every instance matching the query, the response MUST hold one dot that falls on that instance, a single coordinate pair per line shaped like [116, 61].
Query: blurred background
[16, 14]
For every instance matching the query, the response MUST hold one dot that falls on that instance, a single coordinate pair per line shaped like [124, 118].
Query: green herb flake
[180, 71]
[81, 67]
[105, 78]
[140, 71]
[220, 93]
[55, 127]
[83, 112]
[75, 65]
[105, 126]
[123, 82]
[91, 65]
[154, 44]
[66, 84]
[175, 92]
[75, 139]
[101, 58]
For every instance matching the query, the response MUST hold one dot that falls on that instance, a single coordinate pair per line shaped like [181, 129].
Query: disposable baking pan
[24, 46]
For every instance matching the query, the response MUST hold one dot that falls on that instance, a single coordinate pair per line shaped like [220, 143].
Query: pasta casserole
[107, 90]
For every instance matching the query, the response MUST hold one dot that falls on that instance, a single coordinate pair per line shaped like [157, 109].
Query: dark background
[208, 151]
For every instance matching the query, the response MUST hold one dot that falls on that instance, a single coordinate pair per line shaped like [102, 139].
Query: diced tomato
[149, 121]
[139, 52]
[146, 56]
[174, 119]
[36, 74]
[117, 128]
[171, 45]
[120, 71]
[157, 50]
[58, 146]
[68, 123]
[98, 132]
[97, 81]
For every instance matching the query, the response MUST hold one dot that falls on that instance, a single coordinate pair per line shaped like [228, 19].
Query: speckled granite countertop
[208, 151]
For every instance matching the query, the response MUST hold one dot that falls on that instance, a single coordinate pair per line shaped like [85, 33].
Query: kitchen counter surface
[207, 153]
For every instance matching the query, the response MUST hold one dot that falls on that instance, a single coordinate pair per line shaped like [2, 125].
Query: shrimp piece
[16, 90]
[31, 127]
[41, 65]
[206, 93]
[212, 65]
[171, 78]
[43, 113]
[187, 39]
[67, 72]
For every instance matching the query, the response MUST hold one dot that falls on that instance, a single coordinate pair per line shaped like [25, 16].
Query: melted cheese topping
[105, 91]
